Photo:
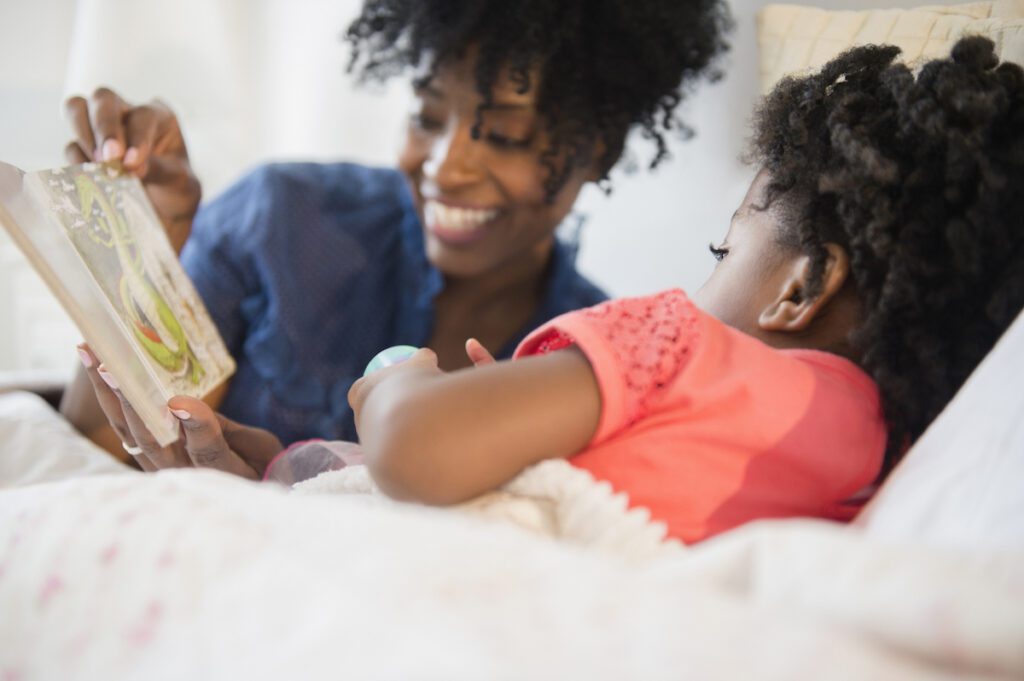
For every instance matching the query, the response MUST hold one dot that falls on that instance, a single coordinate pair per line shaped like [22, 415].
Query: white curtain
[251, 80]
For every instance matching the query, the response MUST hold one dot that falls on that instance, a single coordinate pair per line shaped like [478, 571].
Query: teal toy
[389, 357]
[308, 459]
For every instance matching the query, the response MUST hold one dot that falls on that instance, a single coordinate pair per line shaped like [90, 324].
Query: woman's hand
[210, 440]
[148, 142]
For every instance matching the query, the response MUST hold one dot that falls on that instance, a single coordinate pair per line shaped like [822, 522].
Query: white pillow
[37, 445]
[962, 484]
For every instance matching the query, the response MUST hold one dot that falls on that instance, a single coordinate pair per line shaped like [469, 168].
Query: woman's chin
[460, 263]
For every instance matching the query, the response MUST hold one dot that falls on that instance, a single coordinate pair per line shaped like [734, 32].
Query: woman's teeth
[451, 218]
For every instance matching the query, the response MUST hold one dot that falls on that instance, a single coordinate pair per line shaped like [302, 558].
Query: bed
[106, 573]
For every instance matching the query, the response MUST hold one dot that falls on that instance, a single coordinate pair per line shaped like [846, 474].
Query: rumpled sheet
[196, 574]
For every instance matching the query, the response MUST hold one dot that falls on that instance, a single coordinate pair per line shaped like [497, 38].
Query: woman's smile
[456, 225]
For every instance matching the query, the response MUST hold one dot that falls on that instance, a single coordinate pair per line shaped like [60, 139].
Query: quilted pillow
[796, 39]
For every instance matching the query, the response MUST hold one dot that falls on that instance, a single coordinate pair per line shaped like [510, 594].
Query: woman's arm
[444, 438]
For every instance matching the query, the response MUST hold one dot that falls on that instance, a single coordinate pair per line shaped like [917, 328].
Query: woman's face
[482, 201]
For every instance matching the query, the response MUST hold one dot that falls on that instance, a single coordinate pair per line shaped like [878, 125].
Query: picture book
[92, 234]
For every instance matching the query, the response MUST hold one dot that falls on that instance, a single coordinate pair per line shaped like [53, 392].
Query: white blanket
[552, 499]
[195, 574]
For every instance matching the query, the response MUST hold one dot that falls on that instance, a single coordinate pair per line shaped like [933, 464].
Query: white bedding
[195, 574]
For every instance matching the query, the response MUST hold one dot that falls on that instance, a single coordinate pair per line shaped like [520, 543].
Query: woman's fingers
[104, 389]
[158, 456]
[76, 109]
[140, 125]
[477, 353]
[171, 456]
[205, 442]
[106, 112]
[74, 155]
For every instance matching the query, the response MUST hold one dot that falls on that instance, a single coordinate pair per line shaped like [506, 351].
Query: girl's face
[481, 201]
[752, 267]
[760, 286]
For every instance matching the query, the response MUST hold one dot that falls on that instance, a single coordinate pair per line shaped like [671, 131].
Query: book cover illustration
[95, 205]
[92, 234]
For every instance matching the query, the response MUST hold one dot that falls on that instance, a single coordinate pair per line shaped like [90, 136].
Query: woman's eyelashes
[718, 252]
[430, 124]
[502, 142]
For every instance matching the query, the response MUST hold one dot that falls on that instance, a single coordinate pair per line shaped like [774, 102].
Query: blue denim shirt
[309, 270]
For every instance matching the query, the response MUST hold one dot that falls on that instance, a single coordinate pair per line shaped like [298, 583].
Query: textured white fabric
[553, 499]
[795, 39]
[36, 445]
[195, 574]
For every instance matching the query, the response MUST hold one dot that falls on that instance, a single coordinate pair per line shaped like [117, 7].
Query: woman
[308, 270]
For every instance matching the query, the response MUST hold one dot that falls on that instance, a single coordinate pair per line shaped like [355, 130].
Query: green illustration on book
[152, 321]
[93, 236]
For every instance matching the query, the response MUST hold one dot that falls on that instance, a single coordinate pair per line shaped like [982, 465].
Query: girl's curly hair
[605, 66]
[921, 180]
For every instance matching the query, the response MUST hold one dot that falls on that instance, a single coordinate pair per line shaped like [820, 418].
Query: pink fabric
[709, 428]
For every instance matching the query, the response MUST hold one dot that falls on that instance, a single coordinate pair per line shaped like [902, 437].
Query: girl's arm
[443, 438]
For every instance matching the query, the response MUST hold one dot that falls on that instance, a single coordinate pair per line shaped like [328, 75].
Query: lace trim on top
[652, 339]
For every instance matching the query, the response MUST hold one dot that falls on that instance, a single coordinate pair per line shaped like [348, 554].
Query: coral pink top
[709, 428]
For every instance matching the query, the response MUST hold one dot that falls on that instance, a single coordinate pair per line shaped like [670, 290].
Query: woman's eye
[718, 253]
[502, 142]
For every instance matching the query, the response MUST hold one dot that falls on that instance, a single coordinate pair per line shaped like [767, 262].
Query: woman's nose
[453, 158]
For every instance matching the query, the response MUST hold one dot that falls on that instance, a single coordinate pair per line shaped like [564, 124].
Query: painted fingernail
[181, 414]
[107, 377]
[131, 156]
[111, 150]
[85, 357]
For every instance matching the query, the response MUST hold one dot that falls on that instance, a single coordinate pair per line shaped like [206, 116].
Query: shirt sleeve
[217, 256]
[637, 347]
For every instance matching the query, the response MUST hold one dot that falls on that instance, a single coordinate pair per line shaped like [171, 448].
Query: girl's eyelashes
[424, 122]
[718, 253]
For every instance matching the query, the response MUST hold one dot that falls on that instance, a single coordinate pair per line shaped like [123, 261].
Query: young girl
[876, 258]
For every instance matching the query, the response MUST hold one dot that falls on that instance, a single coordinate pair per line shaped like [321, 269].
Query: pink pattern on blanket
[143, 631]
[51, 587]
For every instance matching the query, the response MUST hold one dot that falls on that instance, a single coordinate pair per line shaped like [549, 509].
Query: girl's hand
[421, 363]
[210, 440]
[148, 142]
[478, 354]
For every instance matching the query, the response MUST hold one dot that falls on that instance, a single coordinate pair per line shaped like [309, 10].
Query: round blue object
[388, 357]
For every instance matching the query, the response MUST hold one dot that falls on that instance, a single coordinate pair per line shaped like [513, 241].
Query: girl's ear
[793, 309]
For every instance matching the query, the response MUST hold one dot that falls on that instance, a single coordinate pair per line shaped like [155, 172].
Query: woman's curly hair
[604, 65]
[921, 180]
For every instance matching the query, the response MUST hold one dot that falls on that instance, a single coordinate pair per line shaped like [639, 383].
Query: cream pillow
[797, 39]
